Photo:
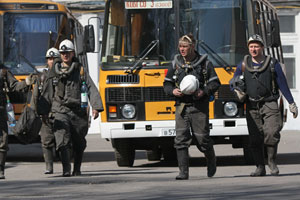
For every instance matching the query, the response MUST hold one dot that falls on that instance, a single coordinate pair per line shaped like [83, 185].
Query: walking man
[46, 133]
[70, 124]
[263, 78]
[7, 83]
[192, 80]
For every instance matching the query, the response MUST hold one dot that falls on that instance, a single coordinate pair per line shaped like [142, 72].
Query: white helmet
[52, 53]
[66, 45]
[255, 38]
[189, 84]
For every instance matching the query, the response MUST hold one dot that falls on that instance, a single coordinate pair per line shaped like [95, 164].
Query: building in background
[289, 17]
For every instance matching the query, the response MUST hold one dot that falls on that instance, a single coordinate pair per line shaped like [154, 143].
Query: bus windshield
[219, 24]
[27, 38]
[132, 31]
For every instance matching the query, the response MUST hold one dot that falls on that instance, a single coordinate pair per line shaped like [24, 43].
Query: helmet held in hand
[189, 84]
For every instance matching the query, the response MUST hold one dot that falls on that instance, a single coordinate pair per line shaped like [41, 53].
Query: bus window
[20, 30]
[127, 42]
[226, 37]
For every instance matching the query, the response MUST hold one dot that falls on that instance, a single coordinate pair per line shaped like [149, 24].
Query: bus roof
[27, 1]
[31, 6]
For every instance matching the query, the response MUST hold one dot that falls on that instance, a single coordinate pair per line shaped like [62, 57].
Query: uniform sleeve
[213, 82]
[93, 93]
[34, 98]
[45, 99]
[238, 70]
[169, 82]
[282, 83]
[14, 84]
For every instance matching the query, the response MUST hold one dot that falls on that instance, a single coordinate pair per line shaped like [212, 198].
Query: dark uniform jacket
[12, 84]
[61, 92]
[201, 67]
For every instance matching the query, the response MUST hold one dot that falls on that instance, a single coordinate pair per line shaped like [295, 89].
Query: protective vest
[67, 85]
[260, 80]
[196, 68]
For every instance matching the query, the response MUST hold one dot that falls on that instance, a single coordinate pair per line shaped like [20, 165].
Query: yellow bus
[28, 28]
[139, 42]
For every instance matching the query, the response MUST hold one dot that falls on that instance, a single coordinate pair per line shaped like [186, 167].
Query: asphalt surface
[103, 179]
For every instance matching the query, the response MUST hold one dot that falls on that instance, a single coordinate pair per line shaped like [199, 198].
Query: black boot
[211, 162]
[259, 171]
[48, 157]
[272, 152]
[258, 155]
[2, 164]
[77, 163]
[183, 164]
[65, 160]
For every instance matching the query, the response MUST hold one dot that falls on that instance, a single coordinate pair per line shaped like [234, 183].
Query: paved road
[102, 179]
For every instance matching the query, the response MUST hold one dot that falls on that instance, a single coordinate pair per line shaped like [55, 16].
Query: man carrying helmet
[70, 121]
[192, 80]
[263, 78]
[8, 83]
[46, 133]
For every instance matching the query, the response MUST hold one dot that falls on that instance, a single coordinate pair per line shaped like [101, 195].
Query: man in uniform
[263, 79]
[192, 105]
[46, 133]
[8, 83]
[70, 120]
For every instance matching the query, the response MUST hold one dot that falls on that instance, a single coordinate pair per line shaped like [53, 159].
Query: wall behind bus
[290, 39]
[94, 58]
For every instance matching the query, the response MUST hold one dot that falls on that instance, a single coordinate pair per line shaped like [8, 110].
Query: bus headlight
[230, 109]
[128, 111]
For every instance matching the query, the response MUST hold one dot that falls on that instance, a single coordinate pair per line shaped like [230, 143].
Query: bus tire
[124, 152]
[154, 155]
[169, 154]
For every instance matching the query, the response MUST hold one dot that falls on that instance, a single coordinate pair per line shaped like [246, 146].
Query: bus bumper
[218, 127]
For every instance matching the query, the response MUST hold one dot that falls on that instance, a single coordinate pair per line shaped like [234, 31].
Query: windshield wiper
[215, 56]
[148, 49]
[29, 63]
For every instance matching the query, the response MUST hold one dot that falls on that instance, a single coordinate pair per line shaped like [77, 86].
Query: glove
[240, 95]
[294, 109]
[199, 93]
[30, 79]
[95, 114]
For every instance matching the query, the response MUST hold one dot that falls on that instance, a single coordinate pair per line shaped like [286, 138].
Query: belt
[181, 106]
[256, 99]
[256, 104]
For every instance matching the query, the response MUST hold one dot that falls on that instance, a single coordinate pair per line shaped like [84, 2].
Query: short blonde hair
[189, 38]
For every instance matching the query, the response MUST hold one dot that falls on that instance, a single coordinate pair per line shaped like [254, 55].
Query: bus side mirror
[89, 38]
[273, 34]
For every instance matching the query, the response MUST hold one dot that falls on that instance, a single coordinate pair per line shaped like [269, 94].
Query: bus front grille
[136, 94]
[224, 92]
[123, 79]
[128, 94]
[156, 94]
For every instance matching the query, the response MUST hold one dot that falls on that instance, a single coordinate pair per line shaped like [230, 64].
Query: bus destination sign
[148, 4]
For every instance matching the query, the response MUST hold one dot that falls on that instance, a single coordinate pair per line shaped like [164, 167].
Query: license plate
[168, 132]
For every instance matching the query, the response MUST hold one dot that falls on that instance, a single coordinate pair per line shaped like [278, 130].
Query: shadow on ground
[35, 155]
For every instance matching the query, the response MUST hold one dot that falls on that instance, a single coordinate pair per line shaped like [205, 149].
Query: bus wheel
[124, 152]
[169, 154]
[154, 155]
[248, 156]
